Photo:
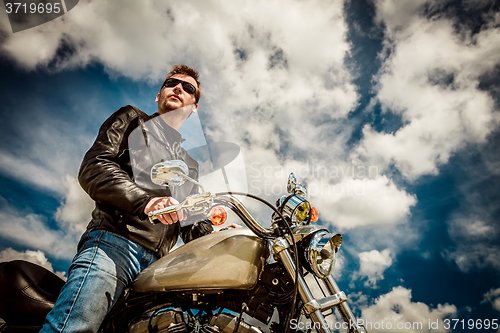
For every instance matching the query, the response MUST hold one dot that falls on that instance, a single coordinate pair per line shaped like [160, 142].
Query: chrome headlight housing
[321, 252]
[296, 208]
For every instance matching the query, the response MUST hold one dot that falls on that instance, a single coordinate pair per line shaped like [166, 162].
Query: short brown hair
[185, 70]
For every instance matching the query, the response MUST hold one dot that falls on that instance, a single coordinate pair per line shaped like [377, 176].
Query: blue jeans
[103, 267]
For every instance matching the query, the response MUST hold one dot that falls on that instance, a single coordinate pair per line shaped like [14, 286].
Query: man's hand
[162, 202]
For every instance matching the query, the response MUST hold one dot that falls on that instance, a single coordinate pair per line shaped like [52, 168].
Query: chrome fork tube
[344, 309]
[306, 295]
[282, 249]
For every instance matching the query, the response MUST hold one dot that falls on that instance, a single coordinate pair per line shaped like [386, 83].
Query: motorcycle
[236, 280]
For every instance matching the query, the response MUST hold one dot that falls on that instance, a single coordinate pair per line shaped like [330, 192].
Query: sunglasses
[188, 87]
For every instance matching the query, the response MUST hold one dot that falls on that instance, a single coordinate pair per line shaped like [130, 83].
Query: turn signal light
[218, 215]
[314, 214]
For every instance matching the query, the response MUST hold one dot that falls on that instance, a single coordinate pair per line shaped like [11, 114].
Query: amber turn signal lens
[314, 214]
[218, 215]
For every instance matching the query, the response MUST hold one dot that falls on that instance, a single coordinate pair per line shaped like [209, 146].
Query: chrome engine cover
[177, 321]
[229, 259]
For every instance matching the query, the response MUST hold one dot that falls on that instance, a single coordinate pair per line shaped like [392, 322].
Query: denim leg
[103, 267]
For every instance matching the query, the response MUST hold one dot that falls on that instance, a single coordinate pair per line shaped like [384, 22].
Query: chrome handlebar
[201, 203]
[235, 204]
[192, 205]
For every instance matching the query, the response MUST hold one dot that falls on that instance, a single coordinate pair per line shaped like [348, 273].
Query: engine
[177, 321]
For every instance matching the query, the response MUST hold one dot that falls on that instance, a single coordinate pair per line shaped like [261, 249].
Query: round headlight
[296, 207]
[321, 252]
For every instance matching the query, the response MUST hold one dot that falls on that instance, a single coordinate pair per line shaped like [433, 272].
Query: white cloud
[473, 227]
[74, 212]
[493, 297]
[474, 230]
[29, 171]
[354, 203]
[35, 257]
[474, 255]
[43, 154]
[373, 264]
[396, 15]
[32, 231]
[375, 211]
[340, 263]
[50, 152]
[396, 308]
[272, 72]
[268, 66]
[430, 79]
[210, 33]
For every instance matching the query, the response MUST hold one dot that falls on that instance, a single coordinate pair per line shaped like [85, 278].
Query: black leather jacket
[106, 175]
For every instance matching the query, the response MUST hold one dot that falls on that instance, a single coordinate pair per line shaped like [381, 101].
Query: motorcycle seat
[27, 293]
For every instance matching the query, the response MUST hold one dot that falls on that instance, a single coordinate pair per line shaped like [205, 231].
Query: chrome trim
[316, 305]
[326, 303]
[193, 181]
[194, 204]
[304, 291]
[323, 245]
[297, 208]
[246, 214]
[294, 187]
[167, 173]
[299, 233]
[344, 309]
[280, 244]
[199, 203]
[305, 230]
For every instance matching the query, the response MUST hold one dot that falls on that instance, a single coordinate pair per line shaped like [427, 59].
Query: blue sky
[388, 110]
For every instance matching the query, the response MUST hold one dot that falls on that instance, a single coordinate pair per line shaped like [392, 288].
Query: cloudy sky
[387, 109]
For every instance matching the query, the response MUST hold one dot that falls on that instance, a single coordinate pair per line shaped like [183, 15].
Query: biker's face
[172, 98]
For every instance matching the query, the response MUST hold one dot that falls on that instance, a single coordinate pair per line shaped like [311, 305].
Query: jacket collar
[168, 130]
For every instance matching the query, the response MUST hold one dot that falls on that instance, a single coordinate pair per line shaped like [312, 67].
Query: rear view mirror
[173, 172]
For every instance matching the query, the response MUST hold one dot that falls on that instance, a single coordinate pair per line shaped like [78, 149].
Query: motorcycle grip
[153, 215]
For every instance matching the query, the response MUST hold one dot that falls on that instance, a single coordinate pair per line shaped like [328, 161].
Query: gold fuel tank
[229, 259]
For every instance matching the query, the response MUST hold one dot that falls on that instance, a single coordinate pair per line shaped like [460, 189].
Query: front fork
[313, 306]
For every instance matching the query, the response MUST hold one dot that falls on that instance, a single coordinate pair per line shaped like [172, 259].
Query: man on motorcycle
[120, 241]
